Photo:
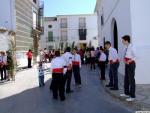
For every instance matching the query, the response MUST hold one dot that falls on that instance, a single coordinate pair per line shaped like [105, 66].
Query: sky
[65, 7]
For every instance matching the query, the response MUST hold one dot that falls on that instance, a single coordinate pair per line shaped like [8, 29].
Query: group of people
[62, 67]
[6, 66]
[114, 61]
[109, 55]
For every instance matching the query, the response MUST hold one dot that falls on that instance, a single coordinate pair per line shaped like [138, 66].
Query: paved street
[24, 96]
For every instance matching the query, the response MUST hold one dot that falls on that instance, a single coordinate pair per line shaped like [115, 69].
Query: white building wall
[140, 18]
[7, 14]
[73, 27]
[55, 29]
[72, 30]
[120, 11]
[132, 19]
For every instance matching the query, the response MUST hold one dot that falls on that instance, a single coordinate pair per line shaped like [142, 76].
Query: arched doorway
[114, 34]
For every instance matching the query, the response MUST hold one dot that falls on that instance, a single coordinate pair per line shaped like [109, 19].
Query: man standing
[68, 59]
[57, 66]
[114, 65]
[29, 55]
[76, 63]
[129, 60]
[102, 62]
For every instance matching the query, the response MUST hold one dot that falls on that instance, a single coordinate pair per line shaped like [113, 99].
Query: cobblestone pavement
[24, 96]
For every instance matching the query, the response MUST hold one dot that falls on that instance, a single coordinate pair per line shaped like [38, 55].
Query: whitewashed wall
[132, 19]
[72, 30]
[73, 26]
[4, 42]
[7, 14]
[140, 17]
[120, 11]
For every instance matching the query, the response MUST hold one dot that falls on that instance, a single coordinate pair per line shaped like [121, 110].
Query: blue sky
[64, 7]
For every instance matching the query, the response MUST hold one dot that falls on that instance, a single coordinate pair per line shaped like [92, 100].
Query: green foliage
[10, 62]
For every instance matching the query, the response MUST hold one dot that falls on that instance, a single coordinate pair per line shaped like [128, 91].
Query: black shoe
[109, 85]
[55, 98]
[114, 89]
[70, 91]
[62, 99]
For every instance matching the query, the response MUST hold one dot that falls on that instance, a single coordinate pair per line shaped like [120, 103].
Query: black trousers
[58, 85]
[102, 68]
[76, 72]
[113, 75]
[29, 62]
[92, 61]
[129, 80]
[67, 81]
[3, 72]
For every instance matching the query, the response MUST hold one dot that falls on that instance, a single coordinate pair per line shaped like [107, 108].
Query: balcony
[82, 34]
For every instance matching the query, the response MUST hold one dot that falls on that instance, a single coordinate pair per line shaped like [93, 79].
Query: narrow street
[24, 96]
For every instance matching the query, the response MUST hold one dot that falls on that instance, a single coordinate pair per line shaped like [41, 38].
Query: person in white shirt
[3, 64]
[130, 65]
[76, 62]
[57, 67]
[114, 65]
[102, 62]
[68, 59]
[92, 58]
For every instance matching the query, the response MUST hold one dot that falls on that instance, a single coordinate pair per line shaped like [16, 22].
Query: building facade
[23, 17]
[117, 18]
[70, 30]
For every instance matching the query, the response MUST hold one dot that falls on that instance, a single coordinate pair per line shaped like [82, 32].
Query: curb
[135, 104]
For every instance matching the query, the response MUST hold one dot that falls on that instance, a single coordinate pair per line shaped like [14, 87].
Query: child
[41, 75]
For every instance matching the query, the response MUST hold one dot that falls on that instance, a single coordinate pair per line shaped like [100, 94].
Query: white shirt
[0, 59]
[77, 58]
[41, 71]
[57, 62]
[130, 52]
[68, 58]
[92, 53]
[3, 59]
[113, 55]
[102, 57]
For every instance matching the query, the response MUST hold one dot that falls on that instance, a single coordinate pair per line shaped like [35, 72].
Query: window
[102, 20]
[34, 20]
[34, 1]
[63, 35]
[50, 36]
[82, 34]
[63, 23]
[82, 23]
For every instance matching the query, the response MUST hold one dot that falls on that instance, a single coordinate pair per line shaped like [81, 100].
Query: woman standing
[29, 55]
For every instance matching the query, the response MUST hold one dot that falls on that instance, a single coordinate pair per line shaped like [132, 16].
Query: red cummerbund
[75, 63]
[127, 59]
[113, 62]
[57, 70]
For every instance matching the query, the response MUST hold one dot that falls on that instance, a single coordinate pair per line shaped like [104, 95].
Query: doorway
[115, 34]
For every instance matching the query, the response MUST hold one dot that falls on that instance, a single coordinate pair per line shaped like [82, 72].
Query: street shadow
[39, 100]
